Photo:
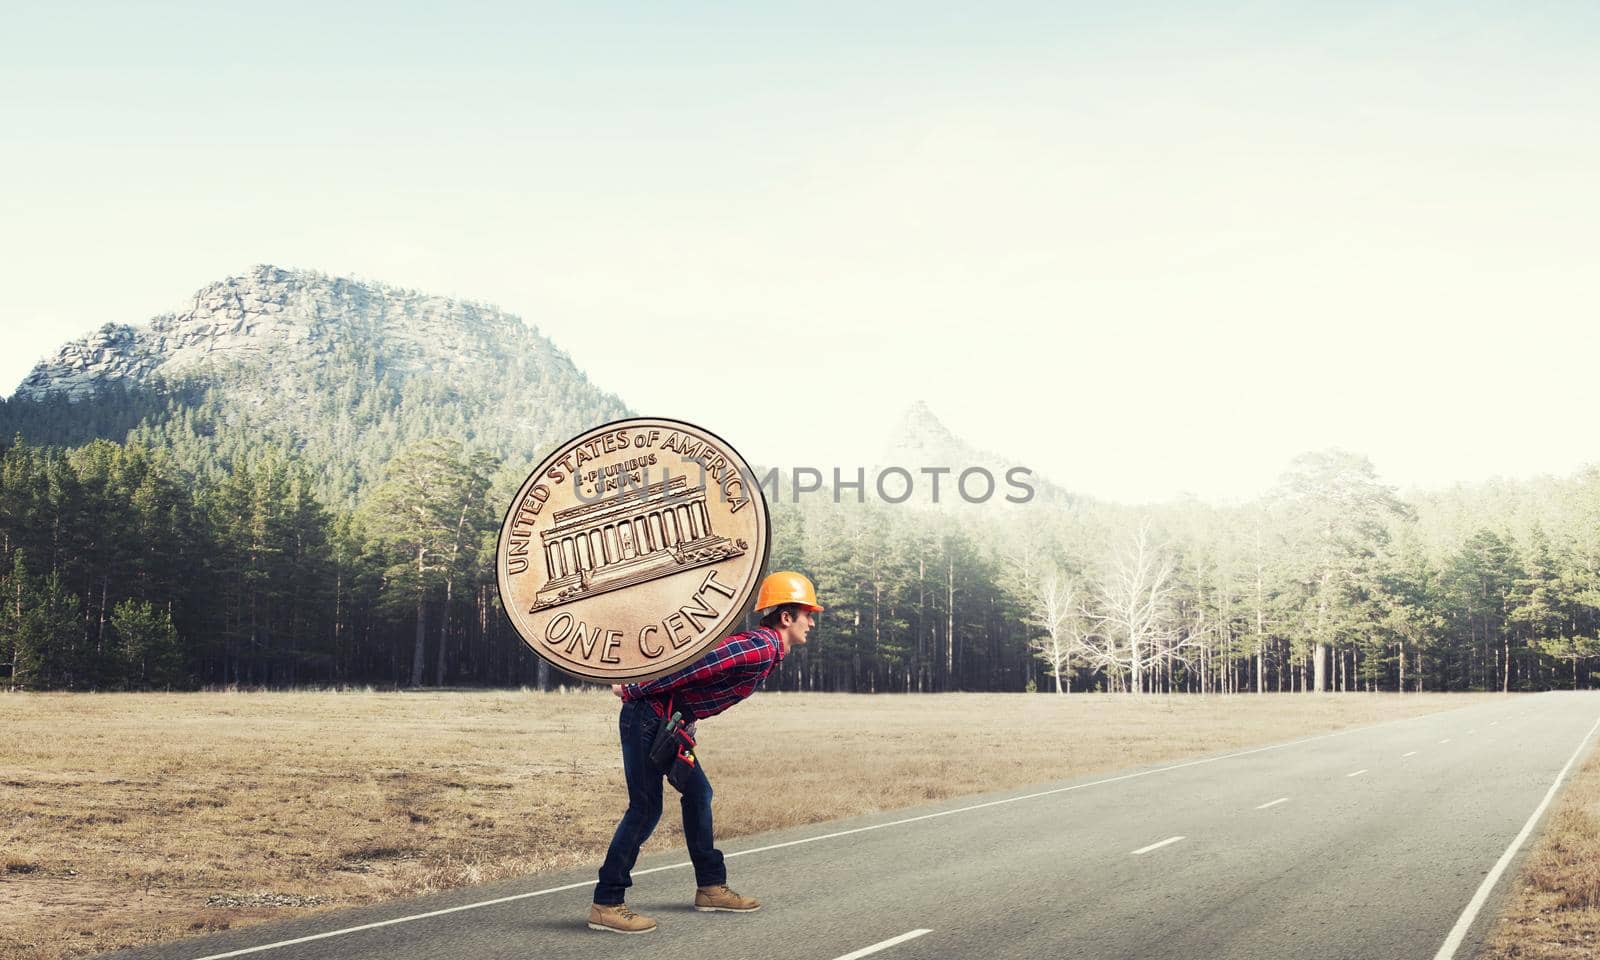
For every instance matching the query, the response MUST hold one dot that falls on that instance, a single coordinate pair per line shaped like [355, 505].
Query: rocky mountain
[271, 317]
[344, 372]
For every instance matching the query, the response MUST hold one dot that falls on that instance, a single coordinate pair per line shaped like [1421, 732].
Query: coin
[631, 549]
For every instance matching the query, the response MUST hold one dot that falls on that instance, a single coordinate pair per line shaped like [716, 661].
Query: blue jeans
[644, 809]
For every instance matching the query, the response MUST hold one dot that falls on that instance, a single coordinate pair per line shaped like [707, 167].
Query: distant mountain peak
[919, 439]
[919, 420]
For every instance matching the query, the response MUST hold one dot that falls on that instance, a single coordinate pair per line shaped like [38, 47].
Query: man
[730, 672]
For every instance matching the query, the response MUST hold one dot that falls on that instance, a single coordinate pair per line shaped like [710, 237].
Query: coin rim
[522, 491]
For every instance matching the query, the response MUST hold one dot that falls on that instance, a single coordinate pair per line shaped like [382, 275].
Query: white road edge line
[1154, 846]
[1447, 951]
[826, 836]
[914, 934]
[1357, 773]
[1411, 754]
[1273, 803]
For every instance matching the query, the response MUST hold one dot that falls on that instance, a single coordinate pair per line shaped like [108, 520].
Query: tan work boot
[707, 899]
[618, 919]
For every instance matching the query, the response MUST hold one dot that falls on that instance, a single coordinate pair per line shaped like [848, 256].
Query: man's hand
[616, 688]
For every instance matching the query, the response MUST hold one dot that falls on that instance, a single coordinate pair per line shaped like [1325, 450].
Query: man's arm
[739, 650]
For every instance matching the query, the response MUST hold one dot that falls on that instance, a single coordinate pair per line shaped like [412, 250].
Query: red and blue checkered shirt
[729, 673]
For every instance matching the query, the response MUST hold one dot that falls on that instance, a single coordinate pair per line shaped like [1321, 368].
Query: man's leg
[644, 807]
[710, 875]
[708, 867]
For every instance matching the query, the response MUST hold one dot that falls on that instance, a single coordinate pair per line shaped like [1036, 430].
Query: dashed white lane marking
[1494, 723]
[1273, 803]
[1471, 732]
[914, 934]
[1155, 846]
[1357, 773]
[1411, 754]
[1447, 950]
[1444, 741]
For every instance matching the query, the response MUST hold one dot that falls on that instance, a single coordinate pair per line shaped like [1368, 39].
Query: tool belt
[671, 747]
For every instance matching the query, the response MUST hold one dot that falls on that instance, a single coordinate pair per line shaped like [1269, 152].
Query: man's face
[801, 625]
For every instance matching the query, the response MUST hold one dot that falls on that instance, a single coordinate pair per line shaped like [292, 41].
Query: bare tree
[1137, 625]
[1054, 601]
[1055, 608]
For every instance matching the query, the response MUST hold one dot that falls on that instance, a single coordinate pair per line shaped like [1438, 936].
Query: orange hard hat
[786, 586]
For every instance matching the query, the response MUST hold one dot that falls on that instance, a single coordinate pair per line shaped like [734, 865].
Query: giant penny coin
[632, 548]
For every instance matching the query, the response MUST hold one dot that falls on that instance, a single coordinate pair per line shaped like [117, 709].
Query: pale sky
[1143, 249]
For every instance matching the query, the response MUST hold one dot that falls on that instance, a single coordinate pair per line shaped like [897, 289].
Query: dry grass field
[1553, 910]
[128, 819]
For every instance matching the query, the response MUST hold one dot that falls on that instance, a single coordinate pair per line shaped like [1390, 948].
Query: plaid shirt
[729, 673]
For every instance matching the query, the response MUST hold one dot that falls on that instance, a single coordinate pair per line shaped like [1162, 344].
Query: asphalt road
[1369, 843]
